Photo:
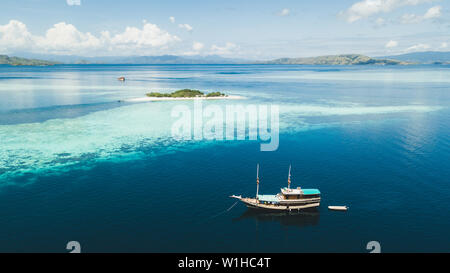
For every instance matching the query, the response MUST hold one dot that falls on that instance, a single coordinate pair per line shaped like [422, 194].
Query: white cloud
[149, 36]
[196, 49]
[284, 12]
[172, 19]
[432, 13]
[367, 8]
[418, 47]
[410, 18]
[391, 44]
[443, 45]
[228, 49]
[186, 27]
[73, 2]
[15, 35]
[64, 38]
[380, 21]
[197, 46]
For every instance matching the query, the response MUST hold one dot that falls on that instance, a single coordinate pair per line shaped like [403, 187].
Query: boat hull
[253, 204]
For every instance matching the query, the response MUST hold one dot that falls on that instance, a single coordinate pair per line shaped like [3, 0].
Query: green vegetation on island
[349, 59]
[4, 59]
[215, 94]
[185, 93]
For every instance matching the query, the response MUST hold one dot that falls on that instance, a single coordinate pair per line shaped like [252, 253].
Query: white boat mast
[289, 177]
[257, 180]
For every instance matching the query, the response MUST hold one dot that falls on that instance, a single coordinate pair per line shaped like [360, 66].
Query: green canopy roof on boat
[311, 191]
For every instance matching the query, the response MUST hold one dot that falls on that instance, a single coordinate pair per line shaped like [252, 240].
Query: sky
[250, 29]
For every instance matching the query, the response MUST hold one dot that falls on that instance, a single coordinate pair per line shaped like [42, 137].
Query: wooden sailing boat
[288, 199]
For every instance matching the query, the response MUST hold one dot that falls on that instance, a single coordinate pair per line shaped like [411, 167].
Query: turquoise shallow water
[76, 164]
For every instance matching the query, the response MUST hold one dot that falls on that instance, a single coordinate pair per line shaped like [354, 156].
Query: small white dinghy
[338, 207]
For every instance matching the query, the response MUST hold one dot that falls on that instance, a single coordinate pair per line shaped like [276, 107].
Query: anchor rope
[227, 210]
[232, 205]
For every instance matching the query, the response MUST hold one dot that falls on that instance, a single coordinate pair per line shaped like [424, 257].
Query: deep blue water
[75, 164]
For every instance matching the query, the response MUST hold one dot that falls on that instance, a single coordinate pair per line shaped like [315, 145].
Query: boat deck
[268, 198]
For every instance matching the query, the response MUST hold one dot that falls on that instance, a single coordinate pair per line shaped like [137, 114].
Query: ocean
[81, 162]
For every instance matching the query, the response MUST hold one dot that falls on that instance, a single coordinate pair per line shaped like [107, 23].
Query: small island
[15, 61]
[184, 94]
[345, 59]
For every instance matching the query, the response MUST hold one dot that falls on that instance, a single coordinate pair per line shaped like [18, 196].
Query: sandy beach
[145, 99]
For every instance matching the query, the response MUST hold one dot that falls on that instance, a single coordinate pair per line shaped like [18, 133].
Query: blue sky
[251, 29]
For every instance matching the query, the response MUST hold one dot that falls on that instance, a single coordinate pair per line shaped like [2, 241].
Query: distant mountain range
[348, 59]
[163, 59]
[428, 57]
[345, 59]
